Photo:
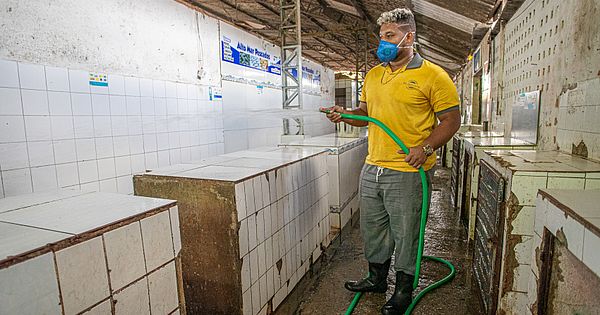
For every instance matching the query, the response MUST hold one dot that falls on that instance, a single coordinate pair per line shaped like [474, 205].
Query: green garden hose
[424, 212]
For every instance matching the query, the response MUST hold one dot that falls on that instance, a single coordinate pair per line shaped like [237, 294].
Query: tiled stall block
[572, 218]
[525, 172]
[344, 164]
[465, 132]
[474, 144]
[579, 213]
[71, 252]
[250, 223]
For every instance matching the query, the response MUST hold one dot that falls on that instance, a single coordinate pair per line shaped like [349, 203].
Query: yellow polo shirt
[407, 101]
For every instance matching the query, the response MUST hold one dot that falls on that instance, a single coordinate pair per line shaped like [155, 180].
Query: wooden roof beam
[438, 49]
[370, 21]
[450, 18]
[269, 8]
[261, 20]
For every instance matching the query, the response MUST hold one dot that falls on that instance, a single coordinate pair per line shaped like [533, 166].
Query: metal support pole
[357, 69]
[362, 39]
[291, 60]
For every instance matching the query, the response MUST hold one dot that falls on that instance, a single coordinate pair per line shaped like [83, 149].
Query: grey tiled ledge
[497, 141]
[480, 134]
[543, 161]
[237, 166]
[33, 224]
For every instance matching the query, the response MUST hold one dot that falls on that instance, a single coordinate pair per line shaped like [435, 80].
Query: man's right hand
[334, 115]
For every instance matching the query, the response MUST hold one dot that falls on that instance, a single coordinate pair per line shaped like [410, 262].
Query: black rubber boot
[375, 282]
[402, 296]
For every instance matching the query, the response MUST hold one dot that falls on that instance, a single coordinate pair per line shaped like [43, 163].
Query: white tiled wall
[539, 52]
[57, 130]
[316, 124]
[283, 221]
[532, 36]
[578, 113]
[252, 99]
[252, 116]
[247, 122]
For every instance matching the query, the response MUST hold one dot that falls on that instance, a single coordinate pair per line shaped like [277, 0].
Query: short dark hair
[399, 16]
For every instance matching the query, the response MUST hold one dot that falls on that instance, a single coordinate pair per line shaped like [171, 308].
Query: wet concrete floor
[445, 238]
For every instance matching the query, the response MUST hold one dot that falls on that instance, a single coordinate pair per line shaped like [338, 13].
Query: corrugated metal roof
[330, 27]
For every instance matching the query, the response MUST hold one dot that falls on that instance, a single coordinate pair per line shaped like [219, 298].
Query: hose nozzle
[325, 110]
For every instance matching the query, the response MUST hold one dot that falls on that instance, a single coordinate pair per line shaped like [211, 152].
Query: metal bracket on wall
[287, 130]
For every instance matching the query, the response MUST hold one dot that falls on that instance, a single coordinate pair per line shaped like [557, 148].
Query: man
[408, 94]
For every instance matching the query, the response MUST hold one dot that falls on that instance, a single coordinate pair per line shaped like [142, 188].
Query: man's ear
[410, 38]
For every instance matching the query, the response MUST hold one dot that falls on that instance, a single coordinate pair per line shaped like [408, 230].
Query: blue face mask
[387, 51]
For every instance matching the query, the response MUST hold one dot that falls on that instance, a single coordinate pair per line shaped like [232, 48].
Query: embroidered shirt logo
[411, 84]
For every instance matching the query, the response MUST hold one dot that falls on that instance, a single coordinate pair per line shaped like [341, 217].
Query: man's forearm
[356, 123]
[443, 133]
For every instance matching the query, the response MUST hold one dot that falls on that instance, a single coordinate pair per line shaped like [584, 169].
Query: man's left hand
[416, 157]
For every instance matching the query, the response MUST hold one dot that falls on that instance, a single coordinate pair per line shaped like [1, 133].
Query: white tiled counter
[566, 248]
[68, 252]
[472, 150]
[454, 156]
[524, 172]
[344, 163]
[481, 134]
[252, 223]
[470, 131]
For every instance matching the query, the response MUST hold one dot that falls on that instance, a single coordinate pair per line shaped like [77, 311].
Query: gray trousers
[390, 215]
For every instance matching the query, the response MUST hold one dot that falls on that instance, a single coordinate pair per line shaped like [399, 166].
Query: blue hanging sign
[308, 74]
[244, 55]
